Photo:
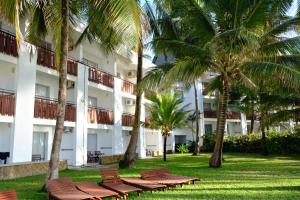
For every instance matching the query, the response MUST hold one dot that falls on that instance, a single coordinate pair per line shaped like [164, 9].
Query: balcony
[8, 44]
[229, 115]
[46, 58]
[47, 109]
[100, 116]
[127, 119]
[7, 103]
[128, 87]
[100, 77]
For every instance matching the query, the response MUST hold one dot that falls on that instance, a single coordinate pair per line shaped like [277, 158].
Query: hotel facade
[100, 103]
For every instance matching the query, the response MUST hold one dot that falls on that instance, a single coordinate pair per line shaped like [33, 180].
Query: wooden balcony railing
[127, 119]
[8, 44]
[128, 87]
[7, 103]
[100, 77]
[46, 58]
[100, 116]
[47, 109]
[229, 115]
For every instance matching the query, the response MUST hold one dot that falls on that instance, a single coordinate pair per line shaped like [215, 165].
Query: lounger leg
[124, 196]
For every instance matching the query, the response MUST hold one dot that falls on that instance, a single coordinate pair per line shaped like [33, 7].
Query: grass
[243, 176]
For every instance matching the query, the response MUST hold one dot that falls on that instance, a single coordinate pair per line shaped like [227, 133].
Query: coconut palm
[241, 41]
[167, 113]
[107, 21]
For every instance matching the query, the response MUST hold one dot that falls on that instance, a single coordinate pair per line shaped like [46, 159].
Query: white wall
[152, 141]
[7, 76]
[127, 108]
[5, 137]
[66, 152]
[49, 81]
[104, 140]
[104, 98]
[49, 130]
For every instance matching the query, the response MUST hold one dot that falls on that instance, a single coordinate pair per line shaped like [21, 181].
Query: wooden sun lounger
[157, 176]
[64, 189]
[95, 190]
[166, 173]
[144, 184]
[112, 181]
[8, 195]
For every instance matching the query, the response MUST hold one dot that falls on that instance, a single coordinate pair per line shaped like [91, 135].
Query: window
[41, 91]
[207, 106]
[92, 101]
[208, 129]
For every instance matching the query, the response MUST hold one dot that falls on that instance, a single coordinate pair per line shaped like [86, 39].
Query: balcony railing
[8, 44]
[100, 116]
[7, 103]
[229, 115]
[100, 77]
[128, 87]
[127, 119]
[46, 58]
[47, 109]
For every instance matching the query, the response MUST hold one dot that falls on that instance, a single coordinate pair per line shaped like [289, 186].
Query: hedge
[276, 142]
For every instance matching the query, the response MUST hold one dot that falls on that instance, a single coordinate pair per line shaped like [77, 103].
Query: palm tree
[239, 40]
[167, 113]
[107, 21]
[129, 156]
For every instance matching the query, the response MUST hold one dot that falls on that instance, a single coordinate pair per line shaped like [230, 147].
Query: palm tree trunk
[216, 158]
[252, 122]
[62, 93]
[129, 156]
[165, 147]
[197, 144]
[263, 135]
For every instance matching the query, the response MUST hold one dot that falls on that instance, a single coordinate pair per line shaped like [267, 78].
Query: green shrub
[277, 143]
[182, 148]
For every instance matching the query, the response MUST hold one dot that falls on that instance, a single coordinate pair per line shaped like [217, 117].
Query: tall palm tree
[167, 113]
[239, 40]
[107, 21]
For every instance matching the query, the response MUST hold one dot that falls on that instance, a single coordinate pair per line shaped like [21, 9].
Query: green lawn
[243, 176]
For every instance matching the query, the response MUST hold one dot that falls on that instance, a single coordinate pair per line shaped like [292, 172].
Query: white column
[80, 131]
[201, 108]
[160, 142]
[243, 124]
[141, 139]
[172, 141]
[117, 137]
[21, 148]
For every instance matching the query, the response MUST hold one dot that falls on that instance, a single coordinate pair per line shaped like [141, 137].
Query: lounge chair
[144, 184]
[95, 190]
[8, 195]
[64, 189]
[159, 178]
[112, 181]
[166, 173]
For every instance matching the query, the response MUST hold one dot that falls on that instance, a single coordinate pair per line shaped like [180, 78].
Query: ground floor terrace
[243, 177]
[83, 145]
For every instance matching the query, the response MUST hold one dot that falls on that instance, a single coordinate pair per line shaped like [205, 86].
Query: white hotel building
[100, 108]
